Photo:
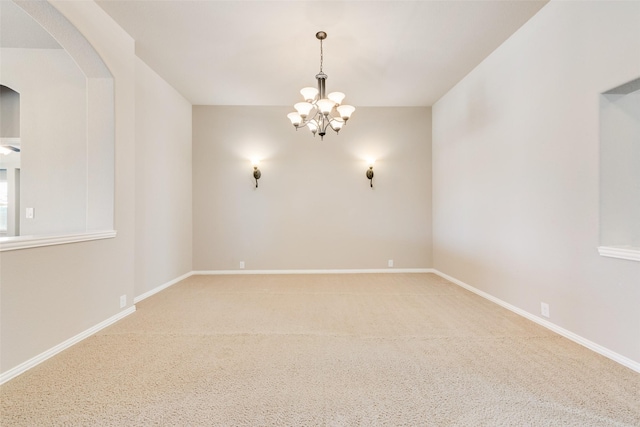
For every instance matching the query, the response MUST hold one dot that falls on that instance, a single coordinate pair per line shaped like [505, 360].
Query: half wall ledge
[25, 242]
[621, 252]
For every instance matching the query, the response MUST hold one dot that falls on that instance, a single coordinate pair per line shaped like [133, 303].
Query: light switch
[29, 213]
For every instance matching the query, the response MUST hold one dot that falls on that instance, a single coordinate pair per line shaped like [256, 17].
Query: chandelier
[319, 111]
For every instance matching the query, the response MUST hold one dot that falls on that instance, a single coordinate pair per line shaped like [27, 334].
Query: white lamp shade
[295, 118]
[336, 97]
[5, 151]
[345, 111]
[336, 124]
[303, 108]
[309, 93]
[313, 126]
[325, 106]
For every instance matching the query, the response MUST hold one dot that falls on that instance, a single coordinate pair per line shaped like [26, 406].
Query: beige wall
[163, 181]
[50, 294]
[314, 208]
[515, 172]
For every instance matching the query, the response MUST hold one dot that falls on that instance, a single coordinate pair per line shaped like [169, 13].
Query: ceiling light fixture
[320, 111]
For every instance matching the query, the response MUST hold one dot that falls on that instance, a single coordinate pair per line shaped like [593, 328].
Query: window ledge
[622, 252]
[25, 242]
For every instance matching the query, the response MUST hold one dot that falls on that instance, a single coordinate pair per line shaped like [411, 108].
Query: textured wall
[515, 172]
[314, 208]
[163, 181]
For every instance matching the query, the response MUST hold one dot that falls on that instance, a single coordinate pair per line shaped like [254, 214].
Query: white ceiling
[380, 53]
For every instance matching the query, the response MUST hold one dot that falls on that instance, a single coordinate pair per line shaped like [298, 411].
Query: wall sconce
[370, 172]
[256, 172]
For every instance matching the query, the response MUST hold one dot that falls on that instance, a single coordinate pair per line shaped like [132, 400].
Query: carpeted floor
[323, 350]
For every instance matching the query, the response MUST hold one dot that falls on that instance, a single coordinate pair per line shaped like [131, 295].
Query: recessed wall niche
[66, 127]
[9, 162]
[620, 171]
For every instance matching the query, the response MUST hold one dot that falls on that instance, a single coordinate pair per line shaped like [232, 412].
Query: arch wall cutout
[96, 127]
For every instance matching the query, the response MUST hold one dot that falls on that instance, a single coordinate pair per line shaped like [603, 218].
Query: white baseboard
[625, 361]
[357, 271]
[161, 287]
[23, 367]
[231, 272]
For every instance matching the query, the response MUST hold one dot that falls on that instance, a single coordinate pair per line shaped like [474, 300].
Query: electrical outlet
[241, 265]
[544, 309]
[29, 213]
[123, 301]
[390, 263]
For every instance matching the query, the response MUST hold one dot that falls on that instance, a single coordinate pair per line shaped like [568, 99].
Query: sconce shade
[256, 172]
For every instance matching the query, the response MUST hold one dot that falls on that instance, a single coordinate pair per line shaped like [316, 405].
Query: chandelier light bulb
[313, 126]
[345, 111]
[336, 124]
[304, 108]
[309, 93]
[295, 119]
[325, 106]
[336, 97]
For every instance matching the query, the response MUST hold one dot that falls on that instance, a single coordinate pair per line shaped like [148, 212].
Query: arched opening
[66, 128]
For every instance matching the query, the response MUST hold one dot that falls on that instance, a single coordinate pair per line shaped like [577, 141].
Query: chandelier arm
[309, 119]
[326, 124]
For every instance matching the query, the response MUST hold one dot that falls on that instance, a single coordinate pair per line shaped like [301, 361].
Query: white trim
[363, 271]
[24, 242]
[23, 367]
[626, 252]
[161, 287]
[625, 361]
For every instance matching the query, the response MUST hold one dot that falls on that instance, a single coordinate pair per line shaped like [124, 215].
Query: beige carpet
[323, 350]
